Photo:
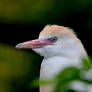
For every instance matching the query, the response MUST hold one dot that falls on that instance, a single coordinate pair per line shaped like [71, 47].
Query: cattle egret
[60, 48]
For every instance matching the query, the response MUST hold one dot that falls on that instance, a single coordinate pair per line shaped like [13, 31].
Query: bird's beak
[38, 43]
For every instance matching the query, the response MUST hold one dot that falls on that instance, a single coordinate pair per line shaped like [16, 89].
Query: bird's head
[55, 40]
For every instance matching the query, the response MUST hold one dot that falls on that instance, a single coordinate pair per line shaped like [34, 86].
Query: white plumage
[60, 48]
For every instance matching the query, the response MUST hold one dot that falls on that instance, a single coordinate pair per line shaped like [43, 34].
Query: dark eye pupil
[54, 39]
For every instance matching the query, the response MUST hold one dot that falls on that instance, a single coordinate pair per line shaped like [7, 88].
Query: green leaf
[65, 77]
[86, 62]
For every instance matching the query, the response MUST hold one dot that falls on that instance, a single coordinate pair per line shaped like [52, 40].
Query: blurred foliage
[16, 68]
[21, 10]
[42, 11]
[72, 74]
[71, 78]
[65, 77]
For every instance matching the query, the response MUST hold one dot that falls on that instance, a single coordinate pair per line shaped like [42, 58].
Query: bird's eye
[53, 39]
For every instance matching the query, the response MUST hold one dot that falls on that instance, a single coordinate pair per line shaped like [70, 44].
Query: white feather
[67, 51]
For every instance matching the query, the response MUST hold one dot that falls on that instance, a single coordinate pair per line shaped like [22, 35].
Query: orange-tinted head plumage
[56, 30]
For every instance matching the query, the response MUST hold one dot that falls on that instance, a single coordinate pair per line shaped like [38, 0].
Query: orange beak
[38, 43]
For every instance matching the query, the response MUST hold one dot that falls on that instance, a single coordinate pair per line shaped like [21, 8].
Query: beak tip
[18, 46]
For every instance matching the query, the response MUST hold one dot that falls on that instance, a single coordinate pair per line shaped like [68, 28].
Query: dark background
[23, 20]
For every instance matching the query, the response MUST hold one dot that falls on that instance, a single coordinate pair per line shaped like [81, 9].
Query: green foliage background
[42, 11]
[16, 67]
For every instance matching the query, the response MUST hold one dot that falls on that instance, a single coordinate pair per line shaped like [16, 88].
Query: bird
[60, 48]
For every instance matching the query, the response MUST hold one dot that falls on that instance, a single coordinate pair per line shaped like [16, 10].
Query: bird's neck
[51, 66]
